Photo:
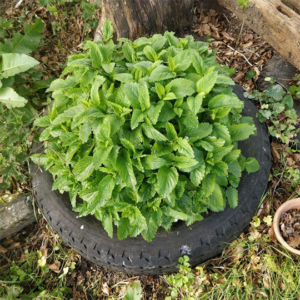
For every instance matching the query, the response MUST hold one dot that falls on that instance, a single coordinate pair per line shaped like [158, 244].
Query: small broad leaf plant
[145, 133]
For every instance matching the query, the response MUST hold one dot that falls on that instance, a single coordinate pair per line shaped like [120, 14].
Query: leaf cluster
[276, 108]
[145, 133]
[14, 61]
[16, 113]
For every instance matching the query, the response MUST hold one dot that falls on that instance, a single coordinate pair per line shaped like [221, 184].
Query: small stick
[241, 54]
[19, 3]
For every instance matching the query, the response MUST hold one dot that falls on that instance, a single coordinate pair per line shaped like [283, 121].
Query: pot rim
[288, 205]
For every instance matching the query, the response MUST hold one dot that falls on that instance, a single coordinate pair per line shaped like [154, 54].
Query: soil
[290, 227]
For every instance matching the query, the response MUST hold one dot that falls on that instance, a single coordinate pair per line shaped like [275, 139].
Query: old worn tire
[201, 241]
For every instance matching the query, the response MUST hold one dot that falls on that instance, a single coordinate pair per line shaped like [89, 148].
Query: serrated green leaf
[107, 223]
[203, 130]
[198, 64]
[71, 152]
[85, 132]
[128, 145]
[176, 214]
[171, 132]
[62, 183]
[170, 96]
[225, 101]
[155, 162]
[124, 228]
[125, 170]
[181, 87]
[184, 162]
[128, 52]
[150, 53]
[107, 30]
[232, 197]
[184, 148]
[221, 131]
[123, 77]
[42, 122]
[182, 60]
[96, 55]
[251, 165]
[221, 168]
[154, 111]
[232, 156]
[208, 184]
[131, 90]
[167, 179]
[152, 133]
[83, 168]
[95, 89]
[153, 219]
[240, 132]
[137, 117]
[59, 84]
[160, 90]
[161, 73]
[206, 83]
[235, 169]
[195, 103]
[197, 174]
[216, 201]
[97, 197]
[144, 98]
[100, 154]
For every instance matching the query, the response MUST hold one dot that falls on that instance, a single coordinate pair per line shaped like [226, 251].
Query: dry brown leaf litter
[251, 53]
[290, 227]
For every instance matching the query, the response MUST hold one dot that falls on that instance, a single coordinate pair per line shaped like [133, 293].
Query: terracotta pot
[291, 204]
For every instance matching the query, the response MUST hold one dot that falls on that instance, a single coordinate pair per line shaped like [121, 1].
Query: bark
[278, 22]
[136, 18]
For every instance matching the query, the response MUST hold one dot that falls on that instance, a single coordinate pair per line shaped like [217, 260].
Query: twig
[19, 3]
[241, 54]
[48, 147]
[226, 18]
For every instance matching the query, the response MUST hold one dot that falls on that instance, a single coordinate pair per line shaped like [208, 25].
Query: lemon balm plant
[145, 133]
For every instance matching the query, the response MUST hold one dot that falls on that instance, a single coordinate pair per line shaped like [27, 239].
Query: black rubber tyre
[201, 241]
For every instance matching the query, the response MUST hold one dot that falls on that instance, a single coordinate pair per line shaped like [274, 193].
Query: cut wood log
[278, 22]
[136, 18]
[16, 215]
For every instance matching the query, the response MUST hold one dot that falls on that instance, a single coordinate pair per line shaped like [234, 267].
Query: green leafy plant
[182, 283]
[145, 133]
[276, 108]
[16, 113]
[61, 10]
[134, 291]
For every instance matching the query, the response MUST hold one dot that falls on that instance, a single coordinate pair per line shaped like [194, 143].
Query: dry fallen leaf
[290, 162]
[275, 154]
[44, 251]
[105, 289]
[3, 250]
[294, 242]
[54, 267]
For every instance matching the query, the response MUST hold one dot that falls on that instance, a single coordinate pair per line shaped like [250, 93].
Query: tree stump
[135, 18]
